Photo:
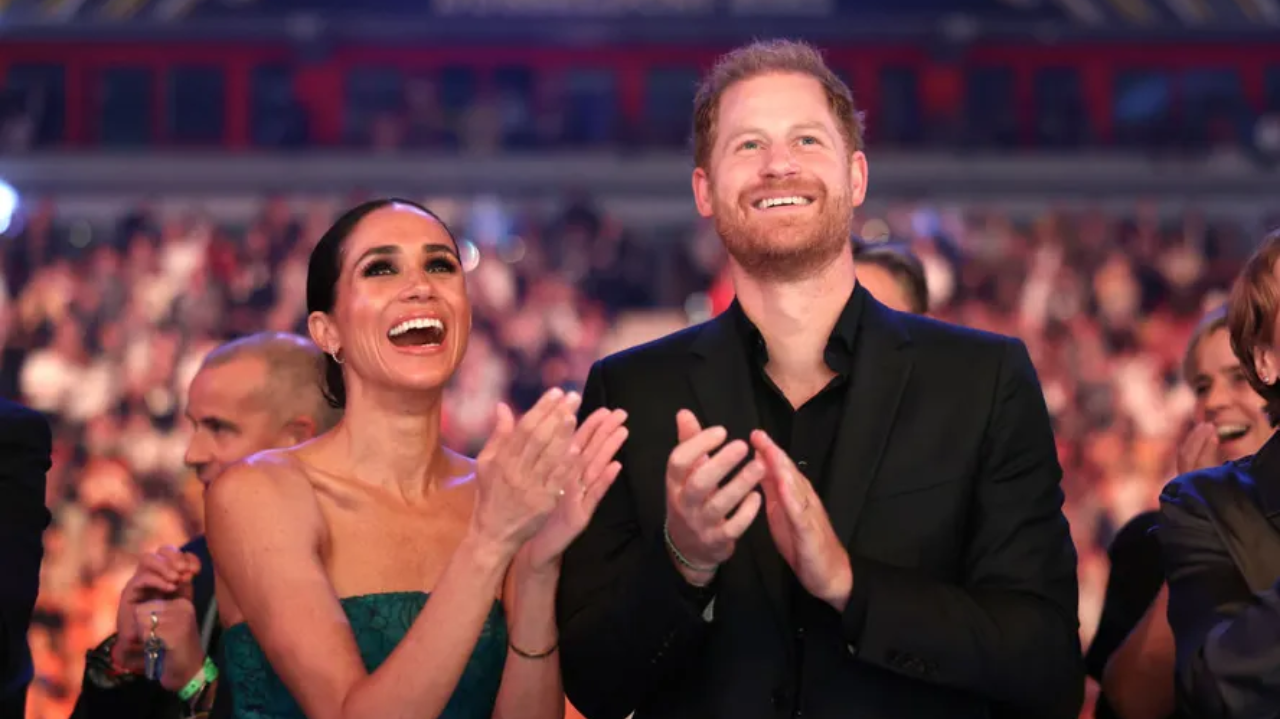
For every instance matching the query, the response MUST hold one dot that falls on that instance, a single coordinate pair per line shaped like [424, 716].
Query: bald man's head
[252, 394]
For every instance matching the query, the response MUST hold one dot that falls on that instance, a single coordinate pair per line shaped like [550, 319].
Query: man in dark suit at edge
[913, 559]
[26, 448]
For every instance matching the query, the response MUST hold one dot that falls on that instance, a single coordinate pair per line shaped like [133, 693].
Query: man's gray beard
[763, 259]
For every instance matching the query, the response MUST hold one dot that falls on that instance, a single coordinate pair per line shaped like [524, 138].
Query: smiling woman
[373, 572]
[1233, 414]
[376, 266]
[417, 332]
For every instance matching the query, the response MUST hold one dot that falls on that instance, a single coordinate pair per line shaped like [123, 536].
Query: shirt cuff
[697, 599]
[854, 618]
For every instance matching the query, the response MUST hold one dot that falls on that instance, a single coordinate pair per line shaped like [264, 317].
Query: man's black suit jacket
[1220, 535]
[101, 697]
[26, 449]
[944, 485]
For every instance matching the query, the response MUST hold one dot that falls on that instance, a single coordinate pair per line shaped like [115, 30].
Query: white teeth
[1231, 431]
[417, 323]
[777, 201]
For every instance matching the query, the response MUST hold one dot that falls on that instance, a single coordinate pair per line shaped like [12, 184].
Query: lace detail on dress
[379, 622]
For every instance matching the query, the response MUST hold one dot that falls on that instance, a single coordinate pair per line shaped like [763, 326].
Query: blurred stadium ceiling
[1191, 14]
[601, 21]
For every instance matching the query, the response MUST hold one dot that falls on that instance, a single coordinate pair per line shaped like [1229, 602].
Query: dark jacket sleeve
[1227, 637]
[25, 452]
[1009, 630]
[627, 618]
[105, 696]
[1135, 578]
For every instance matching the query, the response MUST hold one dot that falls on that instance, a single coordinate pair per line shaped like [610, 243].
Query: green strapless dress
[379, 622]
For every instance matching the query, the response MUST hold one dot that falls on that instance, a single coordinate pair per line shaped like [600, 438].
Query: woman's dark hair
[325, 266]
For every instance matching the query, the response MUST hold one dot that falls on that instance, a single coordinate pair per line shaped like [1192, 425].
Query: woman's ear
[324, 333]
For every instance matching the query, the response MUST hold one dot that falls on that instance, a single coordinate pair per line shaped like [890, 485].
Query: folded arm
[1138, 679]
[1227, 637]
[1131, 654]
[1010, 631]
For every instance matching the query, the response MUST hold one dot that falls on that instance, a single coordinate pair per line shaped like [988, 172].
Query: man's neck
[796, 319]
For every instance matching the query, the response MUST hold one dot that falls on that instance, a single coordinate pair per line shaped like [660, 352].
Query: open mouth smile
[1231, 432]
[418, 332]
[769, 203]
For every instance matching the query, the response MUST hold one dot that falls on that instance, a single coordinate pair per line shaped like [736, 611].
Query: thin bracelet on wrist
[533, 655]
[701, 568]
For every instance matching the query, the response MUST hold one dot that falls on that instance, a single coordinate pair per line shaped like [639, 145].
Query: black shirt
[1135, 579]
[807, 434]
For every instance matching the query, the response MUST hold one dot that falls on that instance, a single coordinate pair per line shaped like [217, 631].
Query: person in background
[893, 275]
[26, 448]
[1132, 654]
[251, 394]
[1220, 534]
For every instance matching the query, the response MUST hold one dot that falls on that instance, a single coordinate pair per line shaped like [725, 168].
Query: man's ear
[297, 430]
[858, 174]
[701, 182]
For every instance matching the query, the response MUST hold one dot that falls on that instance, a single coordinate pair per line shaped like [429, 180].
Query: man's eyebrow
[808, 126]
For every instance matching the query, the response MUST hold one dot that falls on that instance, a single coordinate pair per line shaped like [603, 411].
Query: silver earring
[334, 355]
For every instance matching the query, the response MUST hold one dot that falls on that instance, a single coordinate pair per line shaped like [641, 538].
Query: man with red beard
[911, 558]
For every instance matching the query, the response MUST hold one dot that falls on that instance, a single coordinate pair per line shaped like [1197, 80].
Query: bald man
[256, 393]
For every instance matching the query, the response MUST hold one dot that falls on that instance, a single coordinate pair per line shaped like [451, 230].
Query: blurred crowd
[102, 327]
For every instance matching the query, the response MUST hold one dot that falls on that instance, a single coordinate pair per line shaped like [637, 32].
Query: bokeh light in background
[8, 205]
[470, 255]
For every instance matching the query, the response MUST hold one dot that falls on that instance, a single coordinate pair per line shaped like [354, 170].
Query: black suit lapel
[722, 385]
[881, 366]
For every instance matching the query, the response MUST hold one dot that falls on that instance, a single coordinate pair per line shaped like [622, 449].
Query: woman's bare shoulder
[273, 480]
